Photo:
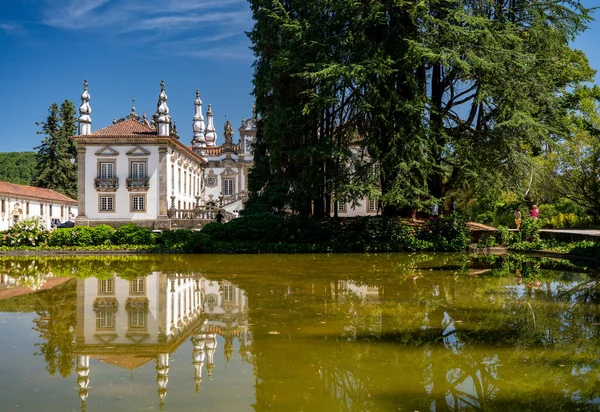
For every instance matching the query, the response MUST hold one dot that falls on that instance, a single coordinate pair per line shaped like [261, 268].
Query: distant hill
[17, 167]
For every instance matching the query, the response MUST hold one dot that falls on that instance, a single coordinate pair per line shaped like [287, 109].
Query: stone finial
[211, 134]
[198, 126]
[163, 119]
[133, 115]
[85, 121]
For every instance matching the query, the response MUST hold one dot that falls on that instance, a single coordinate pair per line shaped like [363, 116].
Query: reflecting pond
[402, 332]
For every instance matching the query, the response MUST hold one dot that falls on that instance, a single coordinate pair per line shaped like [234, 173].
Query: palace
[137, 170]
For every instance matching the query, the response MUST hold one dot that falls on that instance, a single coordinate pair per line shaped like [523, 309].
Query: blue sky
[124, 48]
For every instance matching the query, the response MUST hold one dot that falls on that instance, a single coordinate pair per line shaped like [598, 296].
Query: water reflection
[400, 332]
[128, 323]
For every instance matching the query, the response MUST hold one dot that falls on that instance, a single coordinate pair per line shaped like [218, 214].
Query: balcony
[137, 184]
[106, 185]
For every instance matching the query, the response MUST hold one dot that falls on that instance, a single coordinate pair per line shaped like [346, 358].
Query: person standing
[518, 218]
[535, 212]
[219, 217]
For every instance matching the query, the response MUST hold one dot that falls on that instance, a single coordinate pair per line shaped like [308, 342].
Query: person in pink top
[535, 212]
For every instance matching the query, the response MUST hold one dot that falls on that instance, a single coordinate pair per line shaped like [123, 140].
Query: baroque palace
[137, 170]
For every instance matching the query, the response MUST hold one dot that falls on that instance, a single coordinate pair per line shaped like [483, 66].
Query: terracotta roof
[129, 127]
[37, 193]
[125, 360]
[131, 130]
[217, 150]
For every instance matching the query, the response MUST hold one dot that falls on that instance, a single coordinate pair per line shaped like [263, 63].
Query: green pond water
[397, 332]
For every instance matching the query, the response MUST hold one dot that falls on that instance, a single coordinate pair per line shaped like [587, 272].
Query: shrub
[130, 234]
[62, 237]
[82, 236]
[488, 241]
[529, 229]
[27, 232]
[507, 237]
[102, 235]
[448, 233]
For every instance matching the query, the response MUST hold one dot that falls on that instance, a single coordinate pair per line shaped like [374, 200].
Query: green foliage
[300, 234]
[488, 241]
[27, 232]
[507, 237]
[54, 169]
[62, 237]
[17, 167]
[102, 235]
[130, 234]
[529, 229]
[444, 97]
[449, 232]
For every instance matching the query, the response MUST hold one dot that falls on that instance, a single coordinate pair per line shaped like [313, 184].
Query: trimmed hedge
[276, 233]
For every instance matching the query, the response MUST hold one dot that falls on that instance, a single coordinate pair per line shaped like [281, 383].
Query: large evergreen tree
[56, 156]
[501, 79]
[435, 94]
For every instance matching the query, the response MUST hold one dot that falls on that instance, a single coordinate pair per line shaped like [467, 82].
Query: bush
[529, 229]
[449, 233]
[489, 241]
[27, 232]
[102, 235]
[62, 237]
[130, 234]
[507, 237]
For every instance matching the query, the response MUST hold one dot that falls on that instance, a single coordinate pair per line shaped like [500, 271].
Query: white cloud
[11, 27]
[173, 24]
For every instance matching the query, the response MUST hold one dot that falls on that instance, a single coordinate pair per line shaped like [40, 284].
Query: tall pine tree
[56, 157]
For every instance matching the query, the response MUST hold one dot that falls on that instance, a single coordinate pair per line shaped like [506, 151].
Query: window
[105, 319]
[27, 208]
[106, 286]
[172, 177]
[179, 180]
[137, 319]
[372, 205]
[376, 171]
[138, 203]
[184, 182]
[107, 203]
[138, 170]
[3, 206]
[228, 295]
[107, 170]
[227, 187]
[137, 285]
[338, 205]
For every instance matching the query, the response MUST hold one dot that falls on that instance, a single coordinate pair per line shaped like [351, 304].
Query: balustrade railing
[106, 184]
[137, 183]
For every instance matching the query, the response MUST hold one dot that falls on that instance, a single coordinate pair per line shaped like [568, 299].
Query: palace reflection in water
[128, 323]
